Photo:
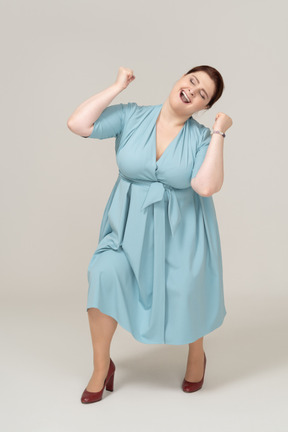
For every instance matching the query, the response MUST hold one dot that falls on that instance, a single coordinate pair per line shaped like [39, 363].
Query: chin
[177, 104]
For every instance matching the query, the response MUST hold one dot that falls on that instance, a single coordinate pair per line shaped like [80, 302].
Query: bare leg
[195, 361]
[102, 328]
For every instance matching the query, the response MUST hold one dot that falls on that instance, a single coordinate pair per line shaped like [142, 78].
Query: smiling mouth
[184, 97]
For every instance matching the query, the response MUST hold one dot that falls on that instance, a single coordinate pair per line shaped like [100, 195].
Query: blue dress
[157, 269]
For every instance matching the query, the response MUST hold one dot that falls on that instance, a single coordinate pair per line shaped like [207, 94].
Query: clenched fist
[222, 122]
[124, 78]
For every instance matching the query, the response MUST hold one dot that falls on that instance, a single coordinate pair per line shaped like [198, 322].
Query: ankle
[101, 364]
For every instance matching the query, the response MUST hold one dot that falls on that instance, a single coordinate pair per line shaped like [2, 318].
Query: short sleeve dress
[157, 269]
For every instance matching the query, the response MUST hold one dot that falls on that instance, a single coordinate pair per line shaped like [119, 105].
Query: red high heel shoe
[90, 397]
[189, 387]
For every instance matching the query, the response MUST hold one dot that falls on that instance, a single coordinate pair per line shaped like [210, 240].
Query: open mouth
[184, 97]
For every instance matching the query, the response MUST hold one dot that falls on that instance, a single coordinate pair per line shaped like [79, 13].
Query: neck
[170, 117]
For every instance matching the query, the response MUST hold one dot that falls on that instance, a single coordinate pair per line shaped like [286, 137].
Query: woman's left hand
[222, 122]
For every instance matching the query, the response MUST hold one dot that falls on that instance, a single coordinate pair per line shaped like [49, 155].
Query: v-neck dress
[157, 269]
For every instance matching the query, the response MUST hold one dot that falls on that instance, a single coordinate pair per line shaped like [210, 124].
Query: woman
[157, 269]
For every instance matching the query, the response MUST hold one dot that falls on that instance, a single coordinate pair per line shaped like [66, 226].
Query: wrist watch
[218, 132]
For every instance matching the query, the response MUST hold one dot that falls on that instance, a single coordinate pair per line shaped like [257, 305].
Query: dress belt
[155, 194]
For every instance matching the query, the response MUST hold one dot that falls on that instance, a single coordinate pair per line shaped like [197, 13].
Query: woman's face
[198, 88]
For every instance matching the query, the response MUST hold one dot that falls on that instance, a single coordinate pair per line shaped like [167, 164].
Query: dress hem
[151, 342]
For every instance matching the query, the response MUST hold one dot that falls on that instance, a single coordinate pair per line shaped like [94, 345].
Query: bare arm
[82, 119]
[210, 176]
[209, 179]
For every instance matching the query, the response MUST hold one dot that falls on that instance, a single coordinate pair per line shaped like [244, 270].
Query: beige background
[55, 184]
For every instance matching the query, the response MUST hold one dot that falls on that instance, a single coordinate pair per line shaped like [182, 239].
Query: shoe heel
[110, 383]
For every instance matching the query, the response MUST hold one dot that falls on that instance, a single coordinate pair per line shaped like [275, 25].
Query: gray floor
[47, 362]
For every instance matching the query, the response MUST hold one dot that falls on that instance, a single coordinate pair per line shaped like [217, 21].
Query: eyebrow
[199, 83]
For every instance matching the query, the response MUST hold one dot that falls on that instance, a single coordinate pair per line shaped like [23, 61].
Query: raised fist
[125, 77]
[222, 122]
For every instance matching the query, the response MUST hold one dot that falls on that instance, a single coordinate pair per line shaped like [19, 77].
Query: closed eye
[203, 97]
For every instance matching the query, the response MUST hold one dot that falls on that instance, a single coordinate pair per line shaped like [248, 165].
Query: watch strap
[218, 132]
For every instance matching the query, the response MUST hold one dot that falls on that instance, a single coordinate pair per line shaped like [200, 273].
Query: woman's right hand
[124, 78]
